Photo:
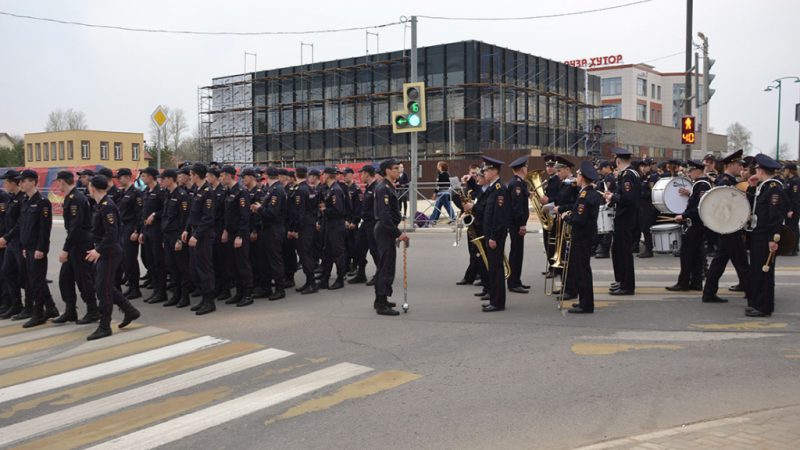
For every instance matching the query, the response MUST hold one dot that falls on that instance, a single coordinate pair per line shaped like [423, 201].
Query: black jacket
[35, 223]
[387, 208]
[106, 227]
[77, 221]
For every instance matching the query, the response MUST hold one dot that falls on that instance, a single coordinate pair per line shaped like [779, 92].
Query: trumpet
[463, 220]
[478, 241]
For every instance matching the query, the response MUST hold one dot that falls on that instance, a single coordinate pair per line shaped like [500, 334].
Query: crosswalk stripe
[39, 334]
[16, 327]
[8, 323]
[26, 347]
[192, 423]
[64, 365]
[107, 405]
[107, 368]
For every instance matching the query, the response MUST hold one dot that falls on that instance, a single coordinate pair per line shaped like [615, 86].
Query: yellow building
[85, 147]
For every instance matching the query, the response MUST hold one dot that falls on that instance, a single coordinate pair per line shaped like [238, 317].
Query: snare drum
[605, 219]
[666, 237]
[724, 209]
[666, 196]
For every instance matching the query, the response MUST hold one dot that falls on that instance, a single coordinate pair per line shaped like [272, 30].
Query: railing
[426, 201]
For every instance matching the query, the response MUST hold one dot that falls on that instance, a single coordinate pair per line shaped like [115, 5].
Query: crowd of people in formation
[625, 186]
[213, 233]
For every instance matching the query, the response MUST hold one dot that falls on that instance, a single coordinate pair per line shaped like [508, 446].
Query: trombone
[478, 241]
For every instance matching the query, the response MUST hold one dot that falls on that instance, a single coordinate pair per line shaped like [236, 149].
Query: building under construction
[479, 96]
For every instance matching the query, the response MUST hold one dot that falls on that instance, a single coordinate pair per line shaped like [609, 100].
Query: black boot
[207, 306]
[103, 330]
[131, 313]
[303, 287]
[337, 285]
[223, 294]
[372, 280]
[184, 300]
[289, 282]
[70, 315]
[5, 304]
[158, 296]
[384, 309]
[37, 318]
[133, 293]
[25, 313]
[176, 298]
[310, 288]
[261, 292]
[236, 298]
[50, 311]
[92, 315]
[279, 294]
[246, 300]
[14, 308]
[323, 283]
[361, 276]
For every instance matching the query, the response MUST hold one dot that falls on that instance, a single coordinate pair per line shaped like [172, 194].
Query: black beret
[214, 171]
[604, 164]
[124, 172]
[367, 168]
[87, 172]
[329, 170]
[65, 175]
[28, 173]
[229, 170]
[152, 171]
[99, 182]
[387, 163]
[588, 171]
[199, 169]
[248, 171]
[694, 164]
[170, 173]
[183, 170]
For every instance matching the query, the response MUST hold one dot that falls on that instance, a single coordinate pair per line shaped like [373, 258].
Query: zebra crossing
[146, 387]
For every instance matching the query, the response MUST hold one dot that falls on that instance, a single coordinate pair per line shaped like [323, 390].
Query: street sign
[159, 117]
[687, 130]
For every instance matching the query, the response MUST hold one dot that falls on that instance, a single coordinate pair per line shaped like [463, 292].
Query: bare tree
[76, 120]
[177, 126]
[739, 137]
[70, 119]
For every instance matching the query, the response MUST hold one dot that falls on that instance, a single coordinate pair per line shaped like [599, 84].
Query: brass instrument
[561, 258]
[536, 185]
[478, 241]
[463, 220]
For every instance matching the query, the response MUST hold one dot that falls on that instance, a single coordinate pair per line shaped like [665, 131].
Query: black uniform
[223, 252]
[35, 223]
[551, 191]
[626, 199]
[366, 232]
[201, 226]
[518, 193]
[5, 299]
[607, 183]
[584, 229]
[496, 218]
[354, 198]
[78, 224]
[732, 247]
[273, 213]
[304, 220]
[402, 186]
[289, 250]
[257, 260]
[153, 204]
[319, 237]
[13, 262]
[475, 268]
[793, 197]
[387, 218]
[334, 233]
[647, 212]
[237, 224]
[173, 222]
[106, 232]
[693, 255]
[130, 205]
[770, 209]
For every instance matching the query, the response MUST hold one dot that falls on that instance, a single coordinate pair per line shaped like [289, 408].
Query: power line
[545, 16]
[195, 32]
[663, 57]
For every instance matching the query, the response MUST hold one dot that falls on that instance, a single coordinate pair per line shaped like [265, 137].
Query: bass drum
[605, 219]
[666, 196]
[666, 237]
[724, 209]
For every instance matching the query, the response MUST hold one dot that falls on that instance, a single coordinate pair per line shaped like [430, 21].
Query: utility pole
[687, 89]
[412, 193]
[707, 93]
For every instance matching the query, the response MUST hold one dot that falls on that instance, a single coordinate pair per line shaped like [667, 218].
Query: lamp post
[777, 85]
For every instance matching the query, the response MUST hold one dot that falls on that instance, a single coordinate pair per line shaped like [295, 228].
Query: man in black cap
[693, 256]
[471, 192]
[365, 239]
[606, 182]
[387, 236]
[257, 262]
[289, 250]
[35, 223]
[731, 246]
[520, 210]
[236, 236]
[13, 262]
[793, 195]
[567, 195]
[83, 184]
[583, 219]
[333, 212]
[5, 298]
[320, 192]
[354, 199]
[151, 237]
[130, 204]
[221, 250]
[647, 212]
[626, 199]
[496, 219]
[551, 190]
[74, 267]
[113, 191]
[769, 210]
[273, 211]
[302, 228]
[199, 235]
[173, 222]
[107, 255]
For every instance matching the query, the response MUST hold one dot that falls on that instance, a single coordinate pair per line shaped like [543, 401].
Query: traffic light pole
[412, 192]
[706, 96]
[687, 98]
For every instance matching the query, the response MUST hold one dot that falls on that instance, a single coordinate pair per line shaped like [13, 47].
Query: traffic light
[687, 130]
[707, 78]
[412, 117]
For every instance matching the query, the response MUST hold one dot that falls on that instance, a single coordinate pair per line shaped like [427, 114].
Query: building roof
[85, 131]
[7, 136]
[645, 67]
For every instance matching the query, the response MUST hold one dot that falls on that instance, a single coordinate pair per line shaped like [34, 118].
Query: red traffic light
[687, 130]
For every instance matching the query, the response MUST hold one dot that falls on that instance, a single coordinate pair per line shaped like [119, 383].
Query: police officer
[365, 238]
[107, 256]
[333, 210]
[496, 220]
[387, 236]
[173, 222]
[273, 211]
[473, 189]
[199, 235]
[259, 267]
[647, 212]
[222, 252]
[770, 206]
[551, 191]
[567, 195]
[477, 208]
[74, 267]
[237, 237]
[625, 198]
[5, 299]
[319, 242]
[303, 228]
[518, 204]
[113, 192]
[793, 195]
[731, 246]
[35, 223]
[692, 248]
[13, 263]
[354, 199]
[130, 203]
[606, 182]
[151, 237]
[289, 250]
[583, 220]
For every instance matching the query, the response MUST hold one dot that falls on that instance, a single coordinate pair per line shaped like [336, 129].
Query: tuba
[478, 241]
[561, 258]
[536, 185]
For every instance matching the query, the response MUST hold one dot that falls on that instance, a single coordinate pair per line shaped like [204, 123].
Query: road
[445, 375]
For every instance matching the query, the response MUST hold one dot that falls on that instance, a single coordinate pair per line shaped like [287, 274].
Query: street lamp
[777, 86]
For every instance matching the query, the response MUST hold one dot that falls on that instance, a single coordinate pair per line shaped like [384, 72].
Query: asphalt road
[446, 375]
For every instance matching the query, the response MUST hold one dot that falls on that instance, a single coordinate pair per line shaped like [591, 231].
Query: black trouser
[580, 272]
[241, 270]
[319, 243]
[335, 235]
[762, 285]
[223, 262]
[350, 246]
[496, 276]
[365, 242]
[274, 235]
[693, 257]
[4, 293]
[794, 224]
[731, 247]
[14, 271]
[621, 256]
[258, 262]
[78, 271]
[387, 260]
[153, 241]
[289, 252]
[515, 255]
[130, 259]
[305, 248]
[647, 217]
[604, 242]
[177, 263]
[475, 264]
[108, 294]
[200, 262]
[38, 291]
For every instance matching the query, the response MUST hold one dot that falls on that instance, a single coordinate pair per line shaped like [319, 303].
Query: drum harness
[753, 217]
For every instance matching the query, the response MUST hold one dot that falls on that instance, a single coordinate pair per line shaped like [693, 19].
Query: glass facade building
[478, 96]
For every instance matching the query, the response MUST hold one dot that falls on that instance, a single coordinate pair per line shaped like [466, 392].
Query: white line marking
[31, 335]
[9, 322]
[181, 427]
[79, 413]
[107, 368]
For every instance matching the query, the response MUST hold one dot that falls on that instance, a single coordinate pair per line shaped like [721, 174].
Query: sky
[118, 78]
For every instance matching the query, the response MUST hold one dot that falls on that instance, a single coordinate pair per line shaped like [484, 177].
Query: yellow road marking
[126, 421]
[41, 344]
[377, 383]
[87, 359]
[138, 376]
[645, 290]
[741, 326]
[280, 370]
[602, 349]
[14, 329]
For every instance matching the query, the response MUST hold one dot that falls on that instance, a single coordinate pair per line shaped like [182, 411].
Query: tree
[177, 126]
[70, 119]
[739, 137]
[13, 157]
[784, 154]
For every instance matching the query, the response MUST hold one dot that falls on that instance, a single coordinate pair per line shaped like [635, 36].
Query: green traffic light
[413, 107]
[401, 121]
[414, 120]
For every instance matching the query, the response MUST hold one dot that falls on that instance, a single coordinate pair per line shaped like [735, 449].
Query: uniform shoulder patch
[209, 203]
[110, 218]
[497, 186]
[581, 208]
[241, 202]
[500, 200]
[775, 199]
[583, 194]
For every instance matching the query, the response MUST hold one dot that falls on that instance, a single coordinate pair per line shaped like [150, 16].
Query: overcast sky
[118, 78]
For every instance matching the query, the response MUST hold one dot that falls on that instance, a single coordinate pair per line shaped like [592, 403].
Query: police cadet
[550, 195]
[151, 236]
[693, 256]
[319, 242]
[107, 256]
[518, 204]
[113, 192]
[303, 227]
[236, 236]
[387, 236]
[769, 210]
[583, 220]
[473, 188]
[13, 263]
[130, 204]
[354, 199]
[333, 210]
[477, 208]
[289, 250]
[647, 212]
[495, 228]
[173, 222]
[793, 195]
[221, 251]
[731, 246]
[5, 298]
[567, 194]
[199, 235]
[625, 198]
[272, 209]
[74, 267]
[365, 238]
[260, 269]
[35, 223]
[606, 182]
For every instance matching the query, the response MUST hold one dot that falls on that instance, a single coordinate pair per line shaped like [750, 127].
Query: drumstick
[765, 268]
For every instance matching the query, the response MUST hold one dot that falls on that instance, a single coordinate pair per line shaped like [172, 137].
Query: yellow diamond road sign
[159, 117]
